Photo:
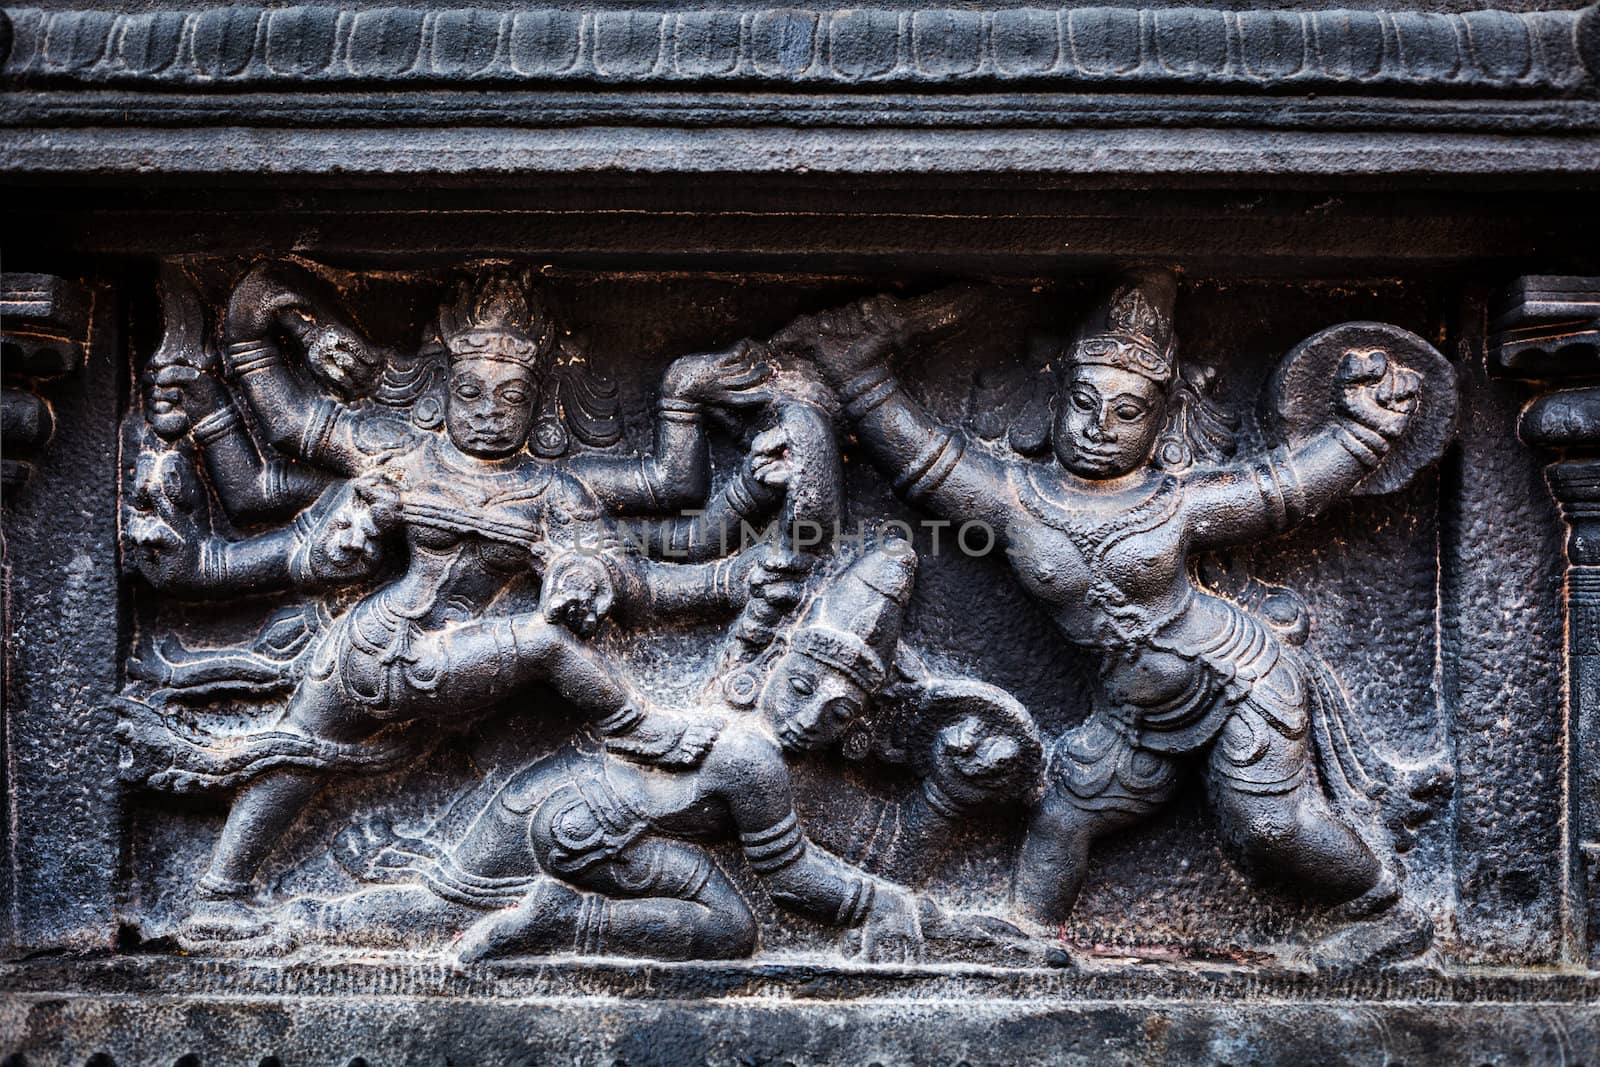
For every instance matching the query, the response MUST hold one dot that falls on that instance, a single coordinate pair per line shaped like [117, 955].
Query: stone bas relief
[449, 639]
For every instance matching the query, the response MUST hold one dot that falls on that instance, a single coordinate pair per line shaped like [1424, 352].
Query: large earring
[857, 744]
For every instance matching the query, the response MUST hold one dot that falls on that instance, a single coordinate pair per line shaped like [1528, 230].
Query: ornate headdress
[854, 626]
[1132, 331]
[498, 315]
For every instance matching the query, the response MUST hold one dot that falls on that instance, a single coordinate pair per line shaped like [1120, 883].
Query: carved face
[1107, 421]
[810, 705]
[351, 534]
[490, 407]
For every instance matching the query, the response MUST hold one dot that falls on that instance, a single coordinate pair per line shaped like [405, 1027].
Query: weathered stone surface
[388, 681]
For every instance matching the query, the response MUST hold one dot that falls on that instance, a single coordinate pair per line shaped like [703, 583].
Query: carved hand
[730, 378]
[162, 555]
[279, 297]
[803, 435]
[200, 392]
[968, 749]
[892, 932]
[846, 341]
[1376, 392]
[335, 352]
[578, 593]
[664, 739]
[496, 934]
[257, 301]
[778, 578]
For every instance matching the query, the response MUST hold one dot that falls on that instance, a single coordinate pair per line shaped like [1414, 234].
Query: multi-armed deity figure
[1103, 539]
[457, 629]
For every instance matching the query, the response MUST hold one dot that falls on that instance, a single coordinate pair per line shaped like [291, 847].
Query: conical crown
[1132, 329]
[854, 626]
[497, 315]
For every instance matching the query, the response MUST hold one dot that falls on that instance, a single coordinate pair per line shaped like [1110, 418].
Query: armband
[671, 409]
[246, 357]
[929, 470]
[321, 417]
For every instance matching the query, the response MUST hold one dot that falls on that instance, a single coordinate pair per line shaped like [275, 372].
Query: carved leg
[1055, 855]
[391, 916]
[678, 905]
[658, 898]
[1098, 784]
[1286, 827]
[262, 810]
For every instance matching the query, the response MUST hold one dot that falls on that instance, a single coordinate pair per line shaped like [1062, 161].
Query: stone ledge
[798, 979]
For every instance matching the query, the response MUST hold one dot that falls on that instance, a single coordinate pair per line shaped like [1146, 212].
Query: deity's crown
[497, 315]
[1132, 330]
[854, 626]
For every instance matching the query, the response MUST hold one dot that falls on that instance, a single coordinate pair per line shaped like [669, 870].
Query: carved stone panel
[769, 535]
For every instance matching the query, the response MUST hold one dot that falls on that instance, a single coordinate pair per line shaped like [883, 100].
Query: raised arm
[1373, 402]
[334, 541]
[794, 463]
[801, 875]
[933, 465]
[676, 473]
[251, 487]
[296, 418]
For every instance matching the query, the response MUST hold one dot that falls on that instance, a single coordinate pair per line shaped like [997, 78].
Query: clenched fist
[1373, 390]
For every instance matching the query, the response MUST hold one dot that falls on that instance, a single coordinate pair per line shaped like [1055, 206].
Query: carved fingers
[162, 555]
[769, 457]
[730, 378]
[664, 739]
[338, 354]
[846, 341]
[189, 386]
[258, 300]
[496, 934]
[971, 749]
[1376, 391]
[778, 578]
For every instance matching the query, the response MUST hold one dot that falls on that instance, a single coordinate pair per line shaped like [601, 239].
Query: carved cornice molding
[1548, 328]
[1475, 53]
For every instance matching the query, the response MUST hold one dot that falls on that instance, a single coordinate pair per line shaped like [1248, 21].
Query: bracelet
[673, 409]
[620, 721]
[868, 389]
[215, 425]
[213, 563]
[1367, 454]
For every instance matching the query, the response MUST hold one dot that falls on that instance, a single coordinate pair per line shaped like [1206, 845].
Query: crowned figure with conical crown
[1102, 538]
